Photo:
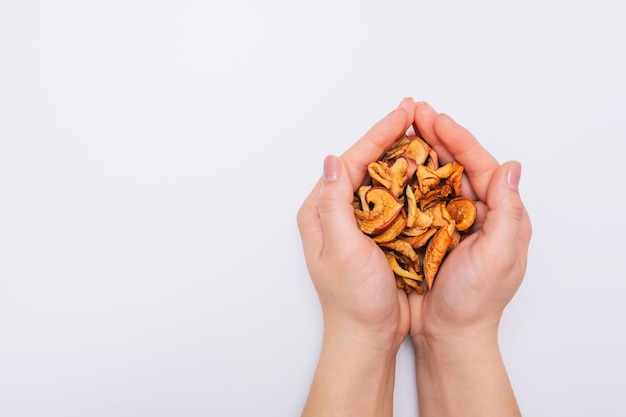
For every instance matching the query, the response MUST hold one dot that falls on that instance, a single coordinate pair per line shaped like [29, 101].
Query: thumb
[335, 205]
[507, 223]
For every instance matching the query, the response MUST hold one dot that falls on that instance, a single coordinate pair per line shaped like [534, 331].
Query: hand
[349, 271]
[481, 275]
[454, 327]
[366, 317]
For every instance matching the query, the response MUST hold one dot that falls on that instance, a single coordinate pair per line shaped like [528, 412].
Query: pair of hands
[364, 313]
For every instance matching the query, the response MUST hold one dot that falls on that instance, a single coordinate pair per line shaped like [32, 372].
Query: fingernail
[514, 175]
[332, 168]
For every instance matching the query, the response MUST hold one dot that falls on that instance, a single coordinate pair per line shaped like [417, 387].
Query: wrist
[458, 345]
[363, 346]
[463, 373]
[355, 375]
[380, 338]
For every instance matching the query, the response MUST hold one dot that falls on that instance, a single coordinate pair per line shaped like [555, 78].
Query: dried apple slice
[401, 272]
[411, 205]
[399, 177]
[441, 192]
[433, 160]
[380, 174]
[427, 178]
[463, 212]
[397, 149]
[452, 172]
[435, 252]
[420, 240]
[415, 231]
[417, 150]
[455, 240]
[361, 191]
[393, 230]
[440, 215]
[403, 247]
[384, 208]
[411, 284]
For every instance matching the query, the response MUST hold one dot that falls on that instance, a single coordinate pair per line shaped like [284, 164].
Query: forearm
[352, 378]
[463, 377]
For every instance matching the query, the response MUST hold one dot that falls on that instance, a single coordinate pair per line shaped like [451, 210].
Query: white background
[153, 155]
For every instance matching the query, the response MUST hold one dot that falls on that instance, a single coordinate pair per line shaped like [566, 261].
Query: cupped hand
[350, 273]
[481, 275]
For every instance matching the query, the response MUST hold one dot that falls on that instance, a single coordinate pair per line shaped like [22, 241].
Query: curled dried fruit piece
[435, 252]
[440, 214]
[398, 270]
[418, 150]
[403, 247]
[393, 231]
[412, 208]
[421, 240]
[463, 211]
[386, 208]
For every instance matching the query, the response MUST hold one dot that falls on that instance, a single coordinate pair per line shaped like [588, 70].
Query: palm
[454, 286]
[374, 294]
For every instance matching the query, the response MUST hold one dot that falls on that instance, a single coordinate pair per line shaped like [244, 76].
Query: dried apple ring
[463, 212]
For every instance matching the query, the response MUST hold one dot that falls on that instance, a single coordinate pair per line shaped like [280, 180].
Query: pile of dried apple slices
[412, 208]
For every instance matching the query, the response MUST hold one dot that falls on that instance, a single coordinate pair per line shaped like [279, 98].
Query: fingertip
[507, 221]
[423, 105]
[405, 100]
[332, 169]
[423, 109]
[443, 120]
[408, 107]
[334, 204]
[423, 118]
[504, 194]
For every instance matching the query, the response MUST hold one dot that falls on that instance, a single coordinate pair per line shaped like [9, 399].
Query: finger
[507, 224]
[377, 140]
[424, 124]
[479, 165]
[334, 202]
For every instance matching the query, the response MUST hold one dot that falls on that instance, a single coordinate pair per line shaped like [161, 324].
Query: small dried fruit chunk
[386, 208]
[417, 150]
[435, 252]
[399, 177]
[380, 174]
[397, 149]
[440, 214]
[416, 217]
[361, 197]
[393, 231]
[403, 247]
[401, 272]
[421, 240]
[463, 212]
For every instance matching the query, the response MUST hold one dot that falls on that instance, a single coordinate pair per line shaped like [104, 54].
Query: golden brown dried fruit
[403, 247]
[385, 208]
[412, 208]
[421, 240]
[435, 251]
[463, 211]
[393, 231]
[399, 271]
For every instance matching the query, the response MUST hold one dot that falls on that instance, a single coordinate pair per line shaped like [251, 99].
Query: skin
[459, 368]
